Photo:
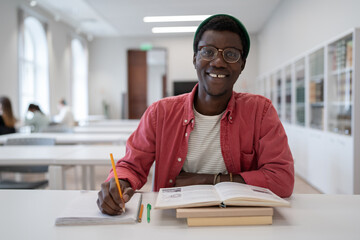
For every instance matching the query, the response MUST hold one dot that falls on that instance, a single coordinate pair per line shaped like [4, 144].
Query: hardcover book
[222, 194]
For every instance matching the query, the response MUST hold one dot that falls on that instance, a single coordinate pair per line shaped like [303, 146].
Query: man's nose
[218, 61]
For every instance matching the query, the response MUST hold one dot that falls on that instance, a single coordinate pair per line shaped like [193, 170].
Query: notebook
[83, 210]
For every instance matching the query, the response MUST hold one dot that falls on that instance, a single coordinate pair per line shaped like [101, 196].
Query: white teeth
[216, 76]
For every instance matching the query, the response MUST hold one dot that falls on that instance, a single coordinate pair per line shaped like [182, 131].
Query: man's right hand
[109, 201]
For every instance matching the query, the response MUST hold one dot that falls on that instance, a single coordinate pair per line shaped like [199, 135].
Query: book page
[83, 210]
[232, 192]
[195, 195]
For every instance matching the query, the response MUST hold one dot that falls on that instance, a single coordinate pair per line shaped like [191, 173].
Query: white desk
[58, 157]
[31, 215]
[96, 129]
[73, 138]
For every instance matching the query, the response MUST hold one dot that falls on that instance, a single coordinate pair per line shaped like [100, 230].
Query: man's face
[217, 77]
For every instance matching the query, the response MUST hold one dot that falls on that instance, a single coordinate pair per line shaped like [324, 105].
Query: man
[211, 134]
[65, 116]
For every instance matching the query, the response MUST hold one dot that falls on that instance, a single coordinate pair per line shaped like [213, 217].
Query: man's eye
[207, 52]
[232, 54]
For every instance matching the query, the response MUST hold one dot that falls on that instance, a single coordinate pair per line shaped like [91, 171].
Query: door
[137, 83]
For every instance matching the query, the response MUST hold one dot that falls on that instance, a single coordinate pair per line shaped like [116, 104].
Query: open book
[224, 193]
[84, 211]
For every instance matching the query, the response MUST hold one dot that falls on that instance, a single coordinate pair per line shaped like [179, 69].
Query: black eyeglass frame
[220, 50]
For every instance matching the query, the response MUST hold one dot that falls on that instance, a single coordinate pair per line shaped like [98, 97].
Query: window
[34, 66]
[79, 80]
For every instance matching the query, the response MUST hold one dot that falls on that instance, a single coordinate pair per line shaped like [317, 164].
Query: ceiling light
[33, 3]
[174, 29]
[187, 18]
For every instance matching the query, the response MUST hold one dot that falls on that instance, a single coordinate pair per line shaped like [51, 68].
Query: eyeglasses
[230, 55]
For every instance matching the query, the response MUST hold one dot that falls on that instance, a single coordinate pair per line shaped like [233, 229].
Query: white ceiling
[101, 18]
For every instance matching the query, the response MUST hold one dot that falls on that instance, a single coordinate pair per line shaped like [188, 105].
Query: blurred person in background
[36, 118]
[7, 119]
[65, 116]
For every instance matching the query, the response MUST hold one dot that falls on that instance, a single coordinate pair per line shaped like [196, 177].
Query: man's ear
[194, 60]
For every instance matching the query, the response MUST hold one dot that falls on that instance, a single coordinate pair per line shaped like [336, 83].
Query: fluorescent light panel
[187, 18]
[33, 3]
[174, 29]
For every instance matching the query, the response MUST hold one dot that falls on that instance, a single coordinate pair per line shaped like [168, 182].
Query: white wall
[108, 67]
[60, 64]
[59, 35]
[156, 68]
[298, 26]
[8, 49]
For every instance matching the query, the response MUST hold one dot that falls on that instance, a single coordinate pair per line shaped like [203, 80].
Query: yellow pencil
[117, 180]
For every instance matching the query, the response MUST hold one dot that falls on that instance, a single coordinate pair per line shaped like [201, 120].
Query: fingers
[106, 202]
[128, 193]
[127, 190]
[109, 201]
[114, 192]
[106, 209]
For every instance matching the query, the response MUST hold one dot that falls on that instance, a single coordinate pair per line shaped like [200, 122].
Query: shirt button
[185, 121]
[179, 159]
[230, 118]
[170, 181]
[185, 134]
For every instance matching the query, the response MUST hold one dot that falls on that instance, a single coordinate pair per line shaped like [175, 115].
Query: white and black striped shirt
[204, 151]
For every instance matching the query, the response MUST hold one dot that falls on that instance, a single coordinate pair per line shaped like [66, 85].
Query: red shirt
[252, 138]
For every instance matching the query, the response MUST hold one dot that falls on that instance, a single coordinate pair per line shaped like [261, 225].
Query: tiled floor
[301, 186]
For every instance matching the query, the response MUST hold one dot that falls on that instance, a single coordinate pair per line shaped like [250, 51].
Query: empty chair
[12, 184]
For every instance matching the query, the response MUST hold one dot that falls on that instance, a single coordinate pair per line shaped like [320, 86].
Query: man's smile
[217, 75]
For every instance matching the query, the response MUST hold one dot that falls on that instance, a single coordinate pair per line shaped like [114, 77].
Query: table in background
[31, 214]
[58, 157]
[113, 123]
[73, 138]
[99, 129]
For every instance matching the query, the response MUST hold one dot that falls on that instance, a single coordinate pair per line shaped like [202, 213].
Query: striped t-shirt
[204, 151]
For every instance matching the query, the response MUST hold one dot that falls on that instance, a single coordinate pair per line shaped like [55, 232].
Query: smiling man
[210, 135]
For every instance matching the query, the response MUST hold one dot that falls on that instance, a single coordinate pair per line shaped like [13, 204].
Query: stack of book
[223, 204]
[229, 216]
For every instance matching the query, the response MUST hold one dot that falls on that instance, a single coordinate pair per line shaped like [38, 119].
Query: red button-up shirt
[252, 140]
